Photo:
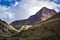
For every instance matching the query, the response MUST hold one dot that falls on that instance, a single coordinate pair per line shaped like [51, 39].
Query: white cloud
[32, 6]
[26, 8]
[5, 14]
[16, 4]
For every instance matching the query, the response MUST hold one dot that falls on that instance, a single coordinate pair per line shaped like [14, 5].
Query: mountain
[7, 29]
[3, 29]
[41, 15]
[47, 30]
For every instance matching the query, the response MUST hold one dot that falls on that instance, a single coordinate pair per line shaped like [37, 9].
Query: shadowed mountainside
[6, 28]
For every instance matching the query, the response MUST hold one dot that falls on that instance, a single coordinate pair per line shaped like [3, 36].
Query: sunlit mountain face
[12, 10]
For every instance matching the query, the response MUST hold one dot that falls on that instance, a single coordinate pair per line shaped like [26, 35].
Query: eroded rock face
[41, 15]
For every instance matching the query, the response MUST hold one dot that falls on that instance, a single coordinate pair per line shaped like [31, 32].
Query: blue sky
[8, 2]
[11, 10]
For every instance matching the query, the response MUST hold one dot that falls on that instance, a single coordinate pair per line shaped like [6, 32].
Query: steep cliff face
[41, 15]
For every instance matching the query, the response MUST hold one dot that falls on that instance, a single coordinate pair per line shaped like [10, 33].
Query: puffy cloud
[5, 14]
[16, 4]
[25, 8]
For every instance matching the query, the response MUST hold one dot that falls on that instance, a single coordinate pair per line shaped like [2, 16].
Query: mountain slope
[47, 30]
[7, 29]
[41, 15]
[3, 29]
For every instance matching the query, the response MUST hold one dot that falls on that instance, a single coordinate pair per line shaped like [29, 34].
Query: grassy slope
[47, 30]
[5, 29]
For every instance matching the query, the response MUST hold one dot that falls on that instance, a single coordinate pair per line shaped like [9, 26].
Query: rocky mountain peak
[41, 15]
[45, 13]
[44, 8]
